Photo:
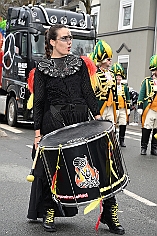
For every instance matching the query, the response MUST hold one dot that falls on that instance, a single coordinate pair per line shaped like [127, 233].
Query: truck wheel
[12, 112]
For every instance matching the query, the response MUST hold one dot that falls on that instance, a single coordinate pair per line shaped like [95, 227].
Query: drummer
[106, 93]
[62, 96]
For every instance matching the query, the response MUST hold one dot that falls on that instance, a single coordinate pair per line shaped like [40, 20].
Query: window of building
[124, 61]
[65, 2]
[126, 14]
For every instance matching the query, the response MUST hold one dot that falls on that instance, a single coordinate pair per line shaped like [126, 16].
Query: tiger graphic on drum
[86, 176]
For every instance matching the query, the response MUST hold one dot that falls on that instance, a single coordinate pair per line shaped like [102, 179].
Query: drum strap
[72, 107]
[56, 114]
[55, 110]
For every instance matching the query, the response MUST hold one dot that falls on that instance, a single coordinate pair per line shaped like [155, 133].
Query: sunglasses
[66, 38]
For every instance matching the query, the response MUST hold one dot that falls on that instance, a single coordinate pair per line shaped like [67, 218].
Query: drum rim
[78, 143]
[120, 189]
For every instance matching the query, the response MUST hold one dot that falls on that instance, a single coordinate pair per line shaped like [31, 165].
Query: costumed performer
[62, 89]
[106, 93]
[147, 108]
[123, 101]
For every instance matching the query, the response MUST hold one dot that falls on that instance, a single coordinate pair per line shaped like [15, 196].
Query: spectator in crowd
[133, 106]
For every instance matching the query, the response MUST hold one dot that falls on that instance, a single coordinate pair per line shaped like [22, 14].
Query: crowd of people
[63, 95]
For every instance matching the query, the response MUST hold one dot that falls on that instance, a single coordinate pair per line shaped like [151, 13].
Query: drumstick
[30, 177]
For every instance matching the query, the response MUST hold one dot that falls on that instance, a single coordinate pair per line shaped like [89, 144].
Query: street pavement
[137, 204]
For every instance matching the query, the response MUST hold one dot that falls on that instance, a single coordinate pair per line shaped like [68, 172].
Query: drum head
[76, 134]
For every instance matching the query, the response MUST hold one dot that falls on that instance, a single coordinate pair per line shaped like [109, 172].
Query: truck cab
[25, 46]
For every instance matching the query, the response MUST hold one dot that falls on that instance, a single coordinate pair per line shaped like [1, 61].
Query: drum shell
[103, 174]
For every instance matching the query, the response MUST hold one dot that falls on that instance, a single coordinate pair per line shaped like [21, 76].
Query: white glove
[117, 113]
[128, 112]
[140, 111]
[100, 118]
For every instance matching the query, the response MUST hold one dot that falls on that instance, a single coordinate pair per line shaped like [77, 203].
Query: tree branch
[87, 5]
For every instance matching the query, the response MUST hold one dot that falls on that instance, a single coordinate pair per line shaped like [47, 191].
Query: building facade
[67, 4]
[129, 27]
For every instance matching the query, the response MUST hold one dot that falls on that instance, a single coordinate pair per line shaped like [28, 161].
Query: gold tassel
[92, 206]
[155, 135]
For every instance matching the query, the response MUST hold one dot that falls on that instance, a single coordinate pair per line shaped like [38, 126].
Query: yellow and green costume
[106, 91]
[147, 97]
[124, 97]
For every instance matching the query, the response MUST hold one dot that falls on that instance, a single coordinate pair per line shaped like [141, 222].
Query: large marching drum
[83, 162]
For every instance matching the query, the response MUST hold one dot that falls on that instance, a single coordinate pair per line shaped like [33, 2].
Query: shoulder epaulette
[145, 79]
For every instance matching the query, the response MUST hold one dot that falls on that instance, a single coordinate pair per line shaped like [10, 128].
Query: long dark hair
[51, 34]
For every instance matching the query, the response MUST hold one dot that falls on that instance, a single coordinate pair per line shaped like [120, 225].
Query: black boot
[143, 149]
[145, 140]
[121, 140]
[48, 221]
[154, 143]
[109, 217]
[122, 129]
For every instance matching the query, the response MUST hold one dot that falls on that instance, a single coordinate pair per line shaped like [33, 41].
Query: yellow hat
[153, 63]
[118, 70]
[101, 51]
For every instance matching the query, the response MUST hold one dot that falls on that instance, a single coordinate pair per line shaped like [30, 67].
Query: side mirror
[36, 38]
[34, 31]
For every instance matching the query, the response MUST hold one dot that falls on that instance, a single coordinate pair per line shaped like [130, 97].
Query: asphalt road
[137, 204]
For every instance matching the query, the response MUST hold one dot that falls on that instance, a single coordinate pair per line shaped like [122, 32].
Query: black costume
[62, 96]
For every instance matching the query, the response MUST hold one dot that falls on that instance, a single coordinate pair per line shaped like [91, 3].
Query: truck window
[24, 45]
[17, 43]
[38, 46]
[82, 47]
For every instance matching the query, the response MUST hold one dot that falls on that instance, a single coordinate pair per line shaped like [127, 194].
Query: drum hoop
[104, 197]
[79, 141]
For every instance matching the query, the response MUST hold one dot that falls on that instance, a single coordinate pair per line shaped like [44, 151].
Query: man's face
[119, 79]
[107, 63]
[154, 74]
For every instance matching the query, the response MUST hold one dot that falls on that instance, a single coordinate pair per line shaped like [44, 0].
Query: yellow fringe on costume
[93, 79]
[30, 102]
[144, 114]
[103, 108]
